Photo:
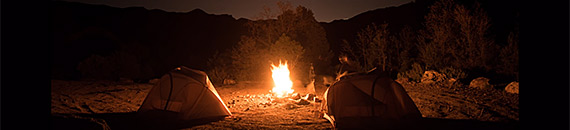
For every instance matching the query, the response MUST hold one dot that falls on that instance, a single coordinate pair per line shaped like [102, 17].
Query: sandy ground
[113, 105]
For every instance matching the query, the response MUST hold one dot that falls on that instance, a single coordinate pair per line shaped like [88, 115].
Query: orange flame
[283, 83]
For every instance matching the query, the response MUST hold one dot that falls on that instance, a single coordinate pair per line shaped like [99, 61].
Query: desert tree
[247, 59]
[291, 51]
[291, 24]
[405, 49]
[456, 36]
[286, 49]
[435, 41]
[474, 47]
[509, 56]
[371, 49]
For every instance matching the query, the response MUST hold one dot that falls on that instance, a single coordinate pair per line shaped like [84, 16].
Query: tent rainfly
[186, 92]
[369, 101]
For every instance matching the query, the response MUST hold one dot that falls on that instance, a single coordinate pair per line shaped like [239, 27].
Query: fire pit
[281, 94]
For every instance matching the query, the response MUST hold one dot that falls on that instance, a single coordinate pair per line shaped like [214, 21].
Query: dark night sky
[324, 10]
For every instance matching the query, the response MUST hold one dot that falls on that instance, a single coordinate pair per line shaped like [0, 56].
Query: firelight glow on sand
[283, 83]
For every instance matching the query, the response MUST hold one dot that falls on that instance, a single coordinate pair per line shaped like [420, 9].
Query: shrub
[293, 35]
[373, 47]
[218, 74]
[218, 67]
[452, 72]
[456, 35]
[414, 74]
[509, 57]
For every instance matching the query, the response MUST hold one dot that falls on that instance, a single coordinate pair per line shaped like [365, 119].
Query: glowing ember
[283, 83]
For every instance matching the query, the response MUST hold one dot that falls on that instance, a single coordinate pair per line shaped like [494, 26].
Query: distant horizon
[323, 10]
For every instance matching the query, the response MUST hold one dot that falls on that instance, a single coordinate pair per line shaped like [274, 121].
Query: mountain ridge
[189, 38]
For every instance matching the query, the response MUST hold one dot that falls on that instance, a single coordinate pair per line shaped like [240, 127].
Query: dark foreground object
[154, 120]
[454, 124]
[129, 121]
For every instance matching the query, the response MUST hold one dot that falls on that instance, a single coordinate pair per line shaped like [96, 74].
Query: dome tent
[187, 93]
[369, 101]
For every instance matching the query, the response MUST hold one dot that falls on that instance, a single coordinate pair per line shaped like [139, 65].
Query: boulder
[153, 81]
[432, 76]
[481, 83]
[229, 82]
[513, 87]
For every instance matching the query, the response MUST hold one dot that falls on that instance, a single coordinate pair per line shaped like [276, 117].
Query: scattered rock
[318, 99]
[278, 100]
[290, 106]
[229, 82]
[402, 80]
[232, 102]
[513, 87]
[309, 96]
[247, 109]
[295, 96]
[302, 102]
[481, 83]
[452, 82]
[432, 76]
[153, 81]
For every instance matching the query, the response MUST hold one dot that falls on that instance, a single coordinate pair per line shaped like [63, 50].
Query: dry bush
[372, 48]
[509, 57]
[414, 74]
[452, 72]
[219, 67]
[456, 36]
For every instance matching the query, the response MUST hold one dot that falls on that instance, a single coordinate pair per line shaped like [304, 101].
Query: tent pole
[169, 93]
[372, 94]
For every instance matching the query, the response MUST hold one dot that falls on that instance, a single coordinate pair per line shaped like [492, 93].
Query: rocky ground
[113, 105]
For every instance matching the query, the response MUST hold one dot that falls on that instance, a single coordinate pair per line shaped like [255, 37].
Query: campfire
[280, 96]
[281, 79]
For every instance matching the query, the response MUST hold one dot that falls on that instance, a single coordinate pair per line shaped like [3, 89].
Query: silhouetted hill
[164, 39]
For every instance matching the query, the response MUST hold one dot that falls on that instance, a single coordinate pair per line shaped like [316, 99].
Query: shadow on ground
[165, 121]
[455, 124]
[124, 121]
